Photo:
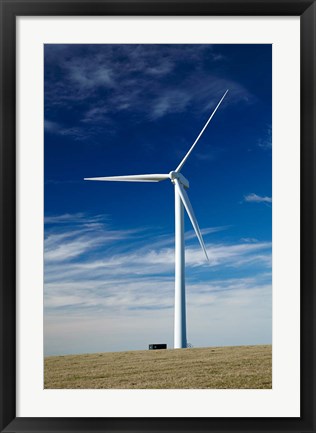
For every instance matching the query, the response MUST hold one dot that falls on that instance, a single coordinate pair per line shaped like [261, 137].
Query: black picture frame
[10, 9]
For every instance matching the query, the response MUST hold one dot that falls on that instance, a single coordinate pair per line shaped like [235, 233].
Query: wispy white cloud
[94, 255]
[78, 132]
[151, 260]
[70, 235]
[265, 142]
[50, 126]
[76, 218]
[171, 102]
[85, 75]
[55, 219]
[249, 240]
[95, 274]
[136, 78]
[161, 69]
[254, 198]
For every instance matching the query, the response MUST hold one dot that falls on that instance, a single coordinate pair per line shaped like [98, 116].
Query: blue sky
[109, 247]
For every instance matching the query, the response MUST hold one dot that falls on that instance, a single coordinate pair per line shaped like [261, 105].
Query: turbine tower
[182, 201]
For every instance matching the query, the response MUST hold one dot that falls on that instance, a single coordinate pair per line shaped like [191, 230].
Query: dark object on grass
[157, 346]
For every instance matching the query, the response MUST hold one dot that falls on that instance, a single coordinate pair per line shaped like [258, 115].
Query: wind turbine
[181, 201]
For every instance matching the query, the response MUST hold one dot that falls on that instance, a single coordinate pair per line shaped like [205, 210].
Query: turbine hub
[176, 175]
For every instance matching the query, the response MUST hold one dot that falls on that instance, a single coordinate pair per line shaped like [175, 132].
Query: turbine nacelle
[176, 175]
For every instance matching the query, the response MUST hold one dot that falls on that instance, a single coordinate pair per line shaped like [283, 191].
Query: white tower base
[180, 335]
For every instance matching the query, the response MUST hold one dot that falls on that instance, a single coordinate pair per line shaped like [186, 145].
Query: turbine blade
[198, 137]
[132, 178]
[185, 200]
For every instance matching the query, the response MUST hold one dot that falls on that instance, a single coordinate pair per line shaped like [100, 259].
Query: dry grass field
[215, 367]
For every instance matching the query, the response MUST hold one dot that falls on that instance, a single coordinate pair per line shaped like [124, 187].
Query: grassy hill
[214, 367]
